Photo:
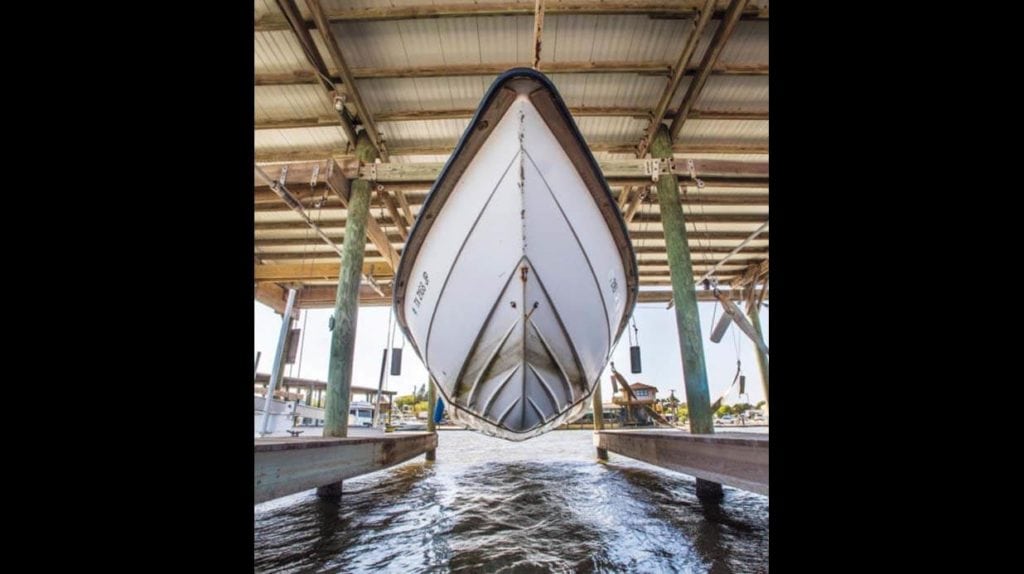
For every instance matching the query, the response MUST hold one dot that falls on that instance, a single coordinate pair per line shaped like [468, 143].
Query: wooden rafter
[291, 12]
[677, 76]
[328, 271]
[310, 199]
[662, 8]
[718, 42]
[744, 147]
[466, 113]
[262, 242]
[634, 205]
[282, 193]
[396, 215]
[337, 220]
[323, 27]
[323, 296]
[538, 31]
[643, 68]
[709, 170]
[339, 185]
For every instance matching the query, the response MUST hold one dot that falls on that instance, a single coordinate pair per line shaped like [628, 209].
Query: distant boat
[518, 277]
[410, 425]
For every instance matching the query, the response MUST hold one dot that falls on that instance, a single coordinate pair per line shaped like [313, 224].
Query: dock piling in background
[278, 369]
[754, 312]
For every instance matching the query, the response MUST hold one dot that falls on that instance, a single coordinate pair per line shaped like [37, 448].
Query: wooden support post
[277, 368]
[684, 295]
[431, 405]
[287, 345]
[602, 454]
[346, 305]
[754, 311]
[346, 310]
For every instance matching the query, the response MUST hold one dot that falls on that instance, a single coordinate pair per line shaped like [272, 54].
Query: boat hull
[518, 277]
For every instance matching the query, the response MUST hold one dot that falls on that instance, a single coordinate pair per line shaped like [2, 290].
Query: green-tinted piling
[346, 308]
[431, 407]
[602, 454]
[346, 304]
[684, 296]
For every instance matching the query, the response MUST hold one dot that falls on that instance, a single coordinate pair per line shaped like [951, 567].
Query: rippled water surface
[488, 505]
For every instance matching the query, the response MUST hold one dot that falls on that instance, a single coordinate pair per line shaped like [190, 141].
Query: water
[488, 505]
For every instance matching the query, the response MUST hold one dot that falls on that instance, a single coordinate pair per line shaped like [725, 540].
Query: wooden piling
[602, 454]
[431, 406]
[684, 295]
[346, 305]
[762, 361]
[346, 308]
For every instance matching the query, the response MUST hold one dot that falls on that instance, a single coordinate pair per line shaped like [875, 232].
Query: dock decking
[739, 460]
[285, 465]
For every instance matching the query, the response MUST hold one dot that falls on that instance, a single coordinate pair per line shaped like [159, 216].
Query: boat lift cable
[281, 191]
[744, 243]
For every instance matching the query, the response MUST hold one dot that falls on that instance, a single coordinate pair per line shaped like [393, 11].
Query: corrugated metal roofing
[388, 46]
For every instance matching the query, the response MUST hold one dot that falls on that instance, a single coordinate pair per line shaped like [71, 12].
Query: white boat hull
[518, 287]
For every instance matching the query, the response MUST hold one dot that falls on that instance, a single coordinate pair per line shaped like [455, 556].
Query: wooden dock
[288, 465]
[739, 460]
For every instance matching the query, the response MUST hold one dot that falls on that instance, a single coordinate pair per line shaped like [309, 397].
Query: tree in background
[740, 408]
[421, 406]
[402, 401]
[682, 412]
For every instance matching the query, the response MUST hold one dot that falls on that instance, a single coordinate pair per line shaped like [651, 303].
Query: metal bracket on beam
[371, 171]
[283, 176]
[316, 174]
[656, 167]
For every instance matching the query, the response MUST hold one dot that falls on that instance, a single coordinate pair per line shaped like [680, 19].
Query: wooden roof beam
[289, 273]
[636, 235]
[268, 201]
[338, 184]
[538, 31]
[653, 8]
[466, 113]
[322, 296]
[634, 205]
[392, 207]
[295, 22]
[324, 28]
[755, 272]
[282, 192]
[312, 155]
[709, 170]
[677, 76]
[707, 64]
[643, 68]
[335, 221]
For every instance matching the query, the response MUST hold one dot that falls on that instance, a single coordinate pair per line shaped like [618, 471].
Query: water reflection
[547, 506]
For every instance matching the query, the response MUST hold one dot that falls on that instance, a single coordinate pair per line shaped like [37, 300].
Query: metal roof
[421, 67]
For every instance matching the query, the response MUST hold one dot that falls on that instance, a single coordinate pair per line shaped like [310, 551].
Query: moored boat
[518, 277]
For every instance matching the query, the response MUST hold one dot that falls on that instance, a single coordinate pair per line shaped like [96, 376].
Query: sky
[659, 348]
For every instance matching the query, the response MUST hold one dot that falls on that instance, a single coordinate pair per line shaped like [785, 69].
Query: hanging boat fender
[439, 410]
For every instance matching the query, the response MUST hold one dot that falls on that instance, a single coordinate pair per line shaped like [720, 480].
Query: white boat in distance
[518, 277]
